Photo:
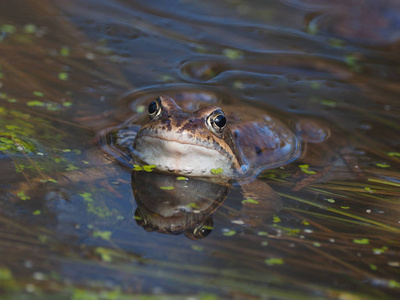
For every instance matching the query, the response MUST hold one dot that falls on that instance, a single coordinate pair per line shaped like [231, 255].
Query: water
[69, 70]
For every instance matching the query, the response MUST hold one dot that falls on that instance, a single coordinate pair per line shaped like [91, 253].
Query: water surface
[70, 69]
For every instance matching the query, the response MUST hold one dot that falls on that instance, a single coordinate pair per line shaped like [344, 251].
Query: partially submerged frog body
[234, 142]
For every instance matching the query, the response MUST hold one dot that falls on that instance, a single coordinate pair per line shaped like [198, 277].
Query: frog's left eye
[154, 109]
[217, 121]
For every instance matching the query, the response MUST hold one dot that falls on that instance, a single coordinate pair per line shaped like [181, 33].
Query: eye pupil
[220, 121]
[203, 232]
[153, 107]
[217, 121]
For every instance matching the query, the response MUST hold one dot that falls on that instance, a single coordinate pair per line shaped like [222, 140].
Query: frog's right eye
[201, 230]
[154, 109]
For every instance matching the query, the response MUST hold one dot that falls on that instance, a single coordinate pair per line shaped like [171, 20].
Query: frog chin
[182, 158]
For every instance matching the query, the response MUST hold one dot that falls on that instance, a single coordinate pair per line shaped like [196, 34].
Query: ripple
[363, 23]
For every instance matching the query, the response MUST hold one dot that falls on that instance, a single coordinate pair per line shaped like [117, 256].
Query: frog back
[264, 142]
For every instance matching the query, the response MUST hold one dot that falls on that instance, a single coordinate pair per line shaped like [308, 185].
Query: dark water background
[67, 212]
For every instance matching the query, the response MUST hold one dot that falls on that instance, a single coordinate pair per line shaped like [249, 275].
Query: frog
[225, 141]
[212, 142]
[195, 136]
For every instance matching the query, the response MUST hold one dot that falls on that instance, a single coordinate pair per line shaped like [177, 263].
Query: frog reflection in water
[214, 144]
[186, 208]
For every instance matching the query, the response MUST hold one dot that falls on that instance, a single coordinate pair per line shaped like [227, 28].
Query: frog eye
[217, 121]
[201, 230]
[154, 109]
[139, 219]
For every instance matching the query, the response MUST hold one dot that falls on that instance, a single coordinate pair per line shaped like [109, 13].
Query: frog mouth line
[188, 158]
[186, 143]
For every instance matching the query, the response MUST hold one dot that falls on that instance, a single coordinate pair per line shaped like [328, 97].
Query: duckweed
[305, 169]
[149, 168]
[5, 274]
[63, 76]
[229, 233]
[274, 261]
[351, 61]
[64, 51]
[137, 168]
[22, 196]
[262, 233]
[379, 251]
[8, 28]
[30, 28]
[384, 165]
[217, 171]
[38, 94]
[362, 241]
[232, 53]
[192, 205]
[394, 284]
[250, 201]
[197, 248]
[328, 103]
[170, 187]
[368, 189]
[35, 103]
[276, 219]
[104, 253]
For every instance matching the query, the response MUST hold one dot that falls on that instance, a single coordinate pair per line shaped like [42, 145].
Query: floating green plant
[217, 171]
[250, 201]
[229, 233]
[168, 188]
[274, 261]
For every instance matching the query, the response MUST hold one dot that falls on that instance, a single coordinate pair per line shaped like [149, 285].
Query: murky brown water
[70, 69]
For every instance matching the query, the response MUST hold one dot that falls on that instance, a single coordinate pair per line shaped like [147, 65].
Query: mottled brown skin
[251, 139]
[193, 125]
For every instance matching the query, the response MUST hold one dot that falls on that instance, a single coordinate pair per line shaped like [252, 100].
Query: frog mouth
[181, 157]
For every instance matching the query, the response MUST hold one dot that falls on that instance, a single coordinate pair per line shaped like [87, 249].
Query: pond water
[70, 224]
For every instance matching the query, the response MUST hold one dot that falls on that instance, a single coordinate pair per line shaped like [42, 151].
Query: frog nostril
[258, 150]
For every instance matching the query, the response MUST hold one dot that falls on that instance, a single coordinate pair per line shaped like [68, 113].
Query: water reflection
[173, 204]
